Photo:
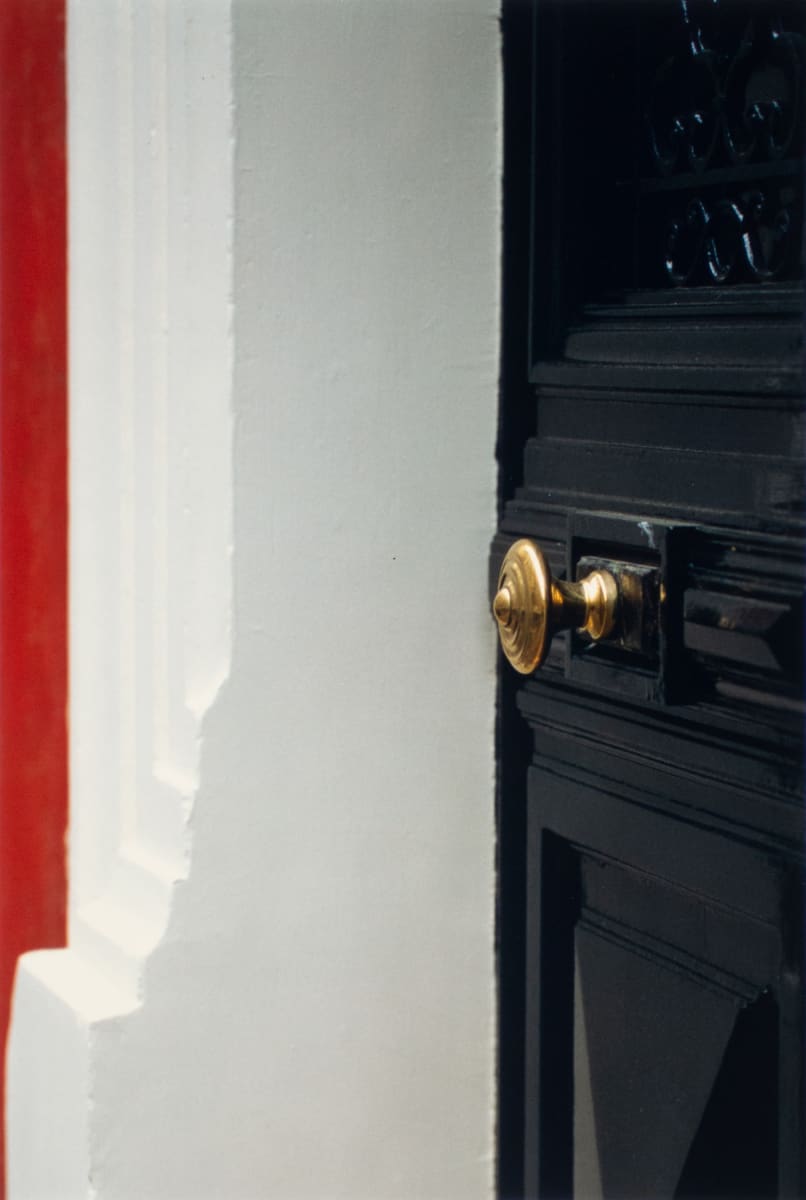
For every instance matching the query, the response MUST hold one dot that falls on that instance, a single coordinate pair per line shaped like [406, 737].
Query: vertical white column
[284, 345]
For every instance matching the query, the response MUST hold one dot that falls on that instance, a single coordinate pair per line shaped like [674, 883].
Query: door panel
[650, 784]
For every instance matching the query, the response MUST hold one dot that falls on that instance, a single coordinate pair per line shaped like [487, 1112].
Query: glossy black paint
[650, 804]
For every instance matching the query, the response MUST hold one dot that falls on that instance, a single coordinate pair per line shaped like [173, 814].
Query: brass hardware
[530, 606]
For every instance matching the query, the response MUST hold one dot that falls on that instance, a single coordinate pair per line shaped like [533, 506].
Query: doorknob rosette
[530, 606]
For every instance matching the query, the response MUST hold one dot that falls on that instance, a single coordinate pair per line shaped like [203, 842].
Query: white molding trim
[150, 152]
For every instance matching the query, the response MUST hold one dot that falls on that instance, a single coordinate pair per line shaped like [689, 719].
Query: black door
[650, 783]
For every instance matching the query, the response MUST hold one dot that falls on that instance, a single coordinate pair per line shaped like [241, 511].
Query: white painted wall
[284, 239]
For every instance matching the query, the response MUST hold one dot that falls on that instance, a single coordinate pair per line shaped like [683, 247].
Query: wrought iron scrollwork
[722, 197]
[731, 93]
[743, 239]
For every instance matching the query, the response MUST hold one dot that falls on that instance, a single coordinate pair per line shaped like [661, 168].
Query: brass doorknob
[530, 606]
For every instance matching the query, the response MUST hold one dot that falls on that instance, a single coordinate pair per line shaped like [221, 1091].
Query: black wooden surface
[650, 804]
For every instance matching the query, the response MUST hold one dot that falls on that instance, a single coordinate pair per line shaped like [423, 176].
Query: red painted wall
[33, 484]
